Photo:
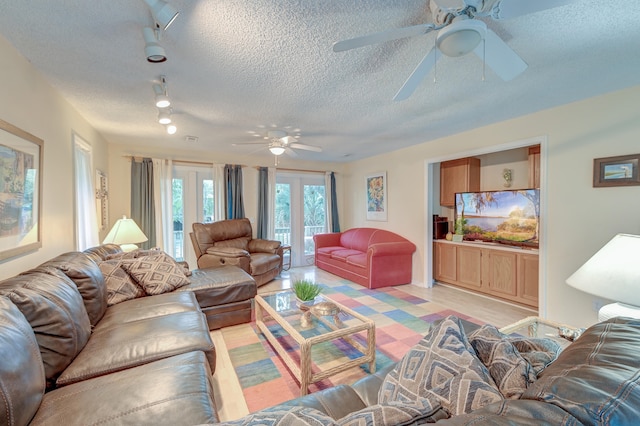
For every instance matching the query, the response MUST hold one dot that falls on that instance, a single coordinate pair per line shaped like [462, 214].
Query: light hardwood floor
[230, 401]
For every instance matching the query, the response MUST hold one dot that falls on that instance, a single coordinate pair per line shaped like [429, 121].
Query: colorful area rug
[401, 321]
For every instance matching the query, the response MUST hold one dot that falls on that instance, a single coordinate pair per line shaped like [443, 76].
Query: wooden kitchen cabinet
[462, 175]
[504, 272]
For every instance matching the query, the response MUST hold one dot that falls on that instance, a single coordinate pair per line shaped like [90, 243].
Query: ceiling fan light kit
[459, 33]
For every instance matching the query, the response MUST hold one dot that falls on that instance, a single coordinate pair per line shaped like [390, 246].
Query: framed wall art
[616, 171]
[377, 196]
[20, 191]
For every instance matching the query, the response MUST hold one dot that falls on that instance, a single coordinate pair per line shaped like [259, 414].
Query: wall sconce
[507, 175]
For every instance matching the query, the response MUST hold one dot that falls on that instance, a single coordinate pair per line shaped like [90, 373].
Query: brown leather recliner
[230, 242]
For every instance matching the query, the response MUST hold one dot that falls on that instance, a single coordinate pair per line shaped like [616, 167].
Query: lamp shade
[125, 231]
[613, 272]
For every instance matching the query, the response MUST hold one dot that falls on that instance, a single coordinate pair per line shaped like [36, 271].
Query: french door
[300, 213]
[192, 192]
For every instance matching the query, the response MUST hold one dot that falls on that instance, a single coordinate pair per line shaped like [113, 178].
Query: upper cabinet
[534, 166]
[462, 175]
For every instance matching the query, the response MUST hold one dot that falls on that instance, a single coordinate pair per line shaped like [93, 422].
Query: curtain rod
[296, 170]
[202, 163]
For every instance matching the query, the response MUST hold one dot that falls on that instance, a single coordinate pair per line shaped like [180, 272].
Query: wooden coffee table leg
[305, 368]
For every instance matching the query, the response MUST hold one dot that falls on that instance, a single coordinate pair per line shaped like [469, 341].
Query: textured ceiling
[238, 67]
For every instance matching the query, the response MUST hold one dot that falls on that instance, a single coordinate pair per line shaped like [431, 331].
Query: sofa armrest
[337, 401]
[327, 240]
[258, 245]
[392, 249]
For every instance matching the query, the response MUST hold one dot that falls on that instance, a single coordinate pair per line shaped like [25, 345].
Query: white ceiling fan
[280, 142]
[459, 33]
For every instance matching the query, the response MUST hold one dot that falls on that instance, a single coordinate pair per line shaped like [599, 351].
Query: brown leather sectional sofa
[68, 358]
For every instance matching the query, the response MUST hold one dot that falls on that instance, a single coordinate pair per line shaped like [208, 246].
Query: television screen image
[509, 217]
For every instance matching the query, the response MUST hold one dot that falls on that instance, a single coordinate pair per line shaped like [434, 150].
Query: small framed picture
[376, 187]
[616, 171]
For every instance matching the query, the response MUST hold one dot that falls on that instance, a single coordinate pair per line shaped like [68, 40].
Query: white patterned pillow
[284, 416]
[120, 285]
[445, 366]
[157, 273]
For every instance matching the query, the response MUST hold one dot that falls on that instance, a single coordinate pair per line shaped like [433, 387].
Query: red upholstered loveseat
[370, 257]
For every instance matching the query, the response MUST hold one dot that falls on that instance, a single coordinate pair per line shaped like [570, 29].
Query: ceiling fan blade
[506, 9]
[290, 152]
[389, 35]
[306, 147]
[500, 57]
[418, 74]
[249, 143]
[288, 140]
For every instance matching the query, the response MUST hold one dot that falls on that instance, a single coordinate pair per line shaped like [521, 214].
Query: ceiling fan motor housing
[443, 11]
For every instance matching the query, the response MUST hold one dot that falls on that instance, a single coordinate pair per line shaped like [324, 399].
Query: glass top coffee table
[539, 327]
[308, 329]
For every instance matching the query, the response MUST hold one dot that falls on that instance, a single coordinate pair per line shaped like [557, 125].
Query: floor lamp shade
[126, 233]
[613, 272]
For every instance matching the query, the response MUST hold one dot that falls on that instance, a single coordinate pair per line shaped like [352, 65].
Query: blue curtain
[233, 191]
[263, 203]
[335, 220]
[142, 205]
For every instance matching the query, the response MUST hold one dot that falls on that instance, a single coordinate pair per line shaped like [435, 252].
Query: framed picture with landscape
[616, 171]
[376, 196]
[20, 191]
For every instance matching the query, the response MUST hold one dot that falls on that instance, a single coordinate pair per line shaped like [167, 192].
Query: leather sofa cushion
[119, 284]
[241, 243]
[263, 262]
[596, 378]
[100, 253]
[87, 276]
[140, 342]
[173, 391]
[22, 380]
[511, 412]
[148, 307]
[220, 286]
[54, 308]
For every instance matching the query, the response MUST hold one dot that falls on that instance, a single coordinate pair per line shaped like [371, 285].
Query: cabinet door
[469, 267]
[502, 273]
[445, 262]
[528, 279]
[461, 175]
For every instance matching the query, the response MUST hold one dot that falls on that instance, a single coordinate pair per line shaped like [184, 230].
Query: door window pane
[207, 200]
[314, 215]
[283, 213]
[178, 219]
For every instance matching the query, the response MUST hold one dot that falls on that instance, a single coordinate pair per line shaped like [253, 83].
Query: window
[86, 219]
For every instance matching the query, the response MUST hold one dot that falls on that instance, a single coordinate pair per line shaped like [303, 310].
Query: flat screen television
[508, 217]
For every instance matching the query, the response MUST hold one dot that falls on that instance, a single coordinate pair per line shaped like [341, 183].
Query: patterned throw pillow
[284, 416]
[399, 413]
[442, 365]
[157, 273]
[513, 363]
[134, 254]
[120, 285]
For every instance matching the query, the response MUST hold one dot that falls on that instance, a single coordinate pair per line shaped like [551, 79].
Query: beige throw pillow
[120, 286]
[157, 273]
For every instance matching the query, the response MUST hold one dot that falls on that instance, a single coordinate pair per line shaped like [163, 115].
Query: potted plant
[306, 291]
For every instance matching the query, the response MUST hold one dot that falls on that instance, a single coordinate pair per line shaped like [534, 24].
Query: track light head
[152, 49]
[163, 13]
[164, 117]
[171, 129]
[162, 100]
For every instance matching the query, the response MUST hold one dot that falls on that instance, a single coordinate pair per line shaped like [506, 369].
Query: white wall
[578, 220]
[29, 102]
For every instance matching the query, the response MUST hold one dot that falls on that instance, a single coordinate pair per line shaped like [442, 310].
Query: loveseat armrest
[327, 240]
[258, 245]
[392, 249]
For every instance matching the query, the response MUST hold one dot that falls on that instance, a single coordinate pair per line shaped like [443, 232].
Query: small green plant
[306, 290]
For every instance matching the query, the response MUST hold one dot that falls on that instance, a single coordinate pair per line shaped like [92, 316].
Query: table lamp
[613, 273]
[126, 233]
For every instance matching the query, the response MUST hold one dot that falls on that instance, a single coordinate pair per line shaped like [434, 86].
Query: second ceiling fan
[459, 33]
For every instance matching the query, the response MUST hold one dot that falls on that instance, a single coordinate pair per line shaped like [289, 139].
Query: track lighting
[163, 13]
[162, 100]
[152, 49]
[164, 117]
[171, 129]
